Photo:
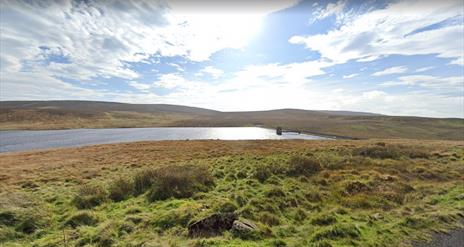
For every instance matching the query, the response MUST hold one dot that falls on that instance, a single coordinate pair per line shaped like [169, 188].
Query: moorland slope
[90, 114]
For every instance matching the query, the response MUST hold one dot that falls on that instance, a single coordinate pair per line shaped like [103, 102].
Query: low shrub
[126, 228]
[324, 220]
[299, 214]
[313, 196]
[338, 231]
[179, 181]
[379, 152]
[29, 224]
[143, 180]
[269, 219]
[8, 218]
[7, 233]
[81, 218]
[180, 216]
[226, 207]
[89, 196]
[415, 222]
[391, 151]
[120, 189]
[303, 166]
[106, 235]
[355, 187]
[274, 191]
[278, 243]
[358, 201]
[262, 173]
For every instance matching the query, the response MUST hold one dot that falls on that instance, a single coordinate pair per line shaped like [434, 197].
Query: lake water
[25, 140]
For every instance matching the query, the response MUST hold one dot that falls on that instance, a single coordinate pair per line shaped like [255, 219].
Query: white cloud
[39, 86]
[330, 9]
[444, 84]
[100, 37]
[391, 71]
[424, 69]
[291, 74]
[170, 81]
[140, 86]
[393, 30]
[458, 61]
[176, 66]
[350, 76]
[210, 70]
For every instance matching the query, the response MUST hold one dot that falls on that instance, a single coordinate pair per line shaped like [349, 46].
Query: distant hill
[96, 107]
[95, 114]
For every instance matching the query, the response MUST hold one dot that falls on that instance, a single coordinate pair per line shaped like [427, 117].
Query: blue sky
[389, 57]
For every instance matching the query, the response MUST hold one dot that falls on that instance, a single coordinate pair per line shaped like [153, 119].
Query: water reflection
[28, 140]
[244, 133]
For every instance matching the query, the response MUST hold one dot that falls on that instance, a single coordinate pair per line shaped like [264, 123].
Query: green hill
[91, 114]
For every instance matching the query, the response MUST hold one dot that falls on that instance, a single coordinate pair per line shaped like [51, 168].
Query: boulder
[243, 226]
[376, 216]
[212, 225]
[244, 229]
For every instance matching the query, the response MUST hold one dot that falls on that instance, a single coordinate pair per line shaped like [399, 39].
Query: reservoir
[25, 140]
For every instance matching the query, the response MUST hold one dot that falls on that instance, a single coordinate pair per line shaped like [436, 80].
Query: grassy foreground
[296, 193]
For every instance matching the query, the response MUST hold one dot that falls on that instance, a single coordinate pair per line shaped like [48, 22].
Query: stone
[244, 229]
[212, 225]
[243, 225]
[377, 216]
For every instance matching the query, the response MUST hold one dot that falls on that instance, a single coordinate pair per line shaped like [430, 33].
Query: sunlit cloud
[343, 55]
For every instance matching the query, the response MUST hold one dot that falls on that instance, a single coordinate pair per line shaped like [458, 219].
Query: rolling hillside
[91, 114]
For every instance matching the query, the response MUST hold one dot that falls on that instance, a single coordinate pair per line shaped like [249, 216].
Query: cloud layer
[398, 58]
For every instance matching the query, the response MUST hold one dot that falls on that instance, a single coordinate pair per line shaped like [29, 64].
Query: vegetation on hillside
[295, 193]
[86, 114]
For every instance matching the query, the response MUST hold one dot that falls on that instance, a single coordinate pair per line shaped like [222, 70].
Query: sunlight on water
[244, 133]
[30, 140]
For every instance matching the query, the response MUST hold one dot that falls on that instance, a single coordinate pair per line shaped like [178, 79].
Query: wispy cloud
[384, 32]
[424, 69]
[350, 76]
[391, 71]
[211, 71]
[330, 9]
[149, 52]
[452, 83]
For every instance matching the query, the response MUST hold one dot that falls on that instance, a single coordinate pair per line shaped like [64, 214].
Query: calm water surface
[42, 139]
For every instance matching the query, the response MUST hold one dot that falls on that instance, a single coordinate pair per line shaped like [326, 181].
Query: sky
[387, 57]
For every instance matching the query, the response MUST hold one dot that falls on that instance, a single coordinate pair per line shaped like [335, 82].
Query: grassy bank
[43, 115]
[294, 193]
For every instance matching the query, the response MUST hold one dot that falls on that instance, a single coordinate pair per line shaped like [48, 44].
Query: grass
[296, 193]
[87, 114]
